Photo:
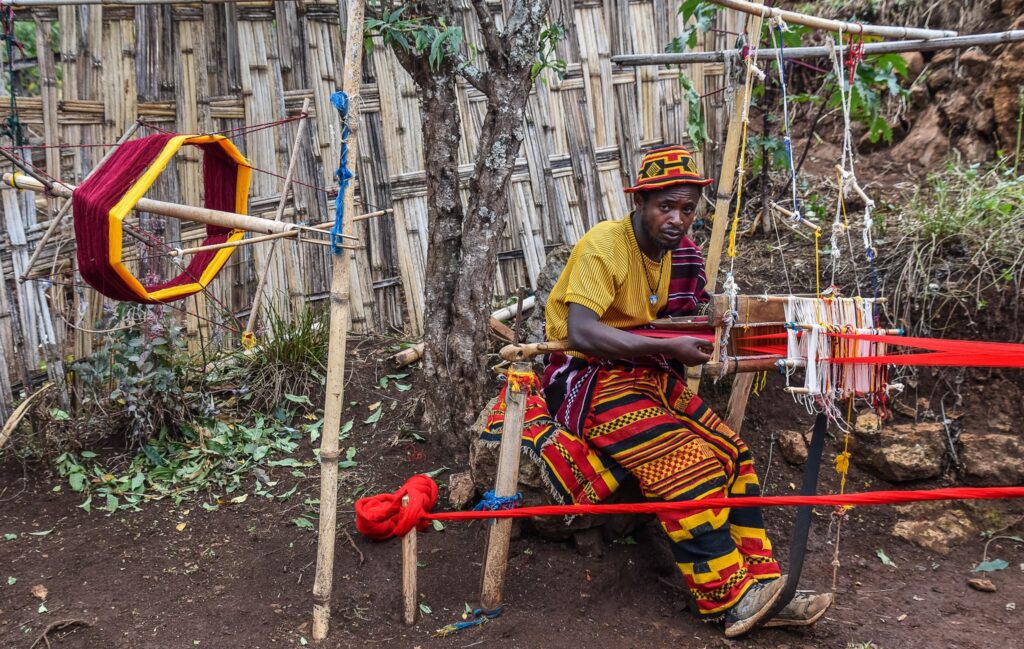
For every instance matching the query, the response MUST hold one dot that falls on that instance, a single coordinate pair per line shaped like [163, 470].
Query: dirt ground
[242, 576]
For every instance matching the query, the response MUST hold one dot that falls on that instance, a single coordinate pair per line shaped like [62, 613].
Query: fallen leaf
[901, 618]
[374, 406]
[11, 581]
[180, 527]
[39, 591]
[984, 585]
[884, 558]
[239, 499]
[992, 565]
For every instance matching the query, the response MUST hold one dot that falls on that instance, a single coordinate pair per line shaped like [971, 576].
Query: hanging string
[340, 101]
[786, 139]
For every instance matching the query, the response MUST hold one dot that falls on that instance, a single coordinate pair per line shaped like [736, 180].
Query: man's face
[667, 214]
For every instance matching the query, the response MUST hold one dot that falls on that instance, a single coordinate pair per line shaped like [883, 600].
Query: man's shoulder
[604, 237]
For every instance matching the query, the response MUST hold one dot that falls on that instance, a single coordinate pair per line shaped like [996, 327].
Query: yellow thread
[740, 170]
[817, 260]
[521, 381]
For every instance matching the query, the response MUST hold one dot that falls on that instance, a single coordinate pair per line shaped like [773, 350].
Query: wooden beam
[340, 308]
[505, 484]
[759, 10]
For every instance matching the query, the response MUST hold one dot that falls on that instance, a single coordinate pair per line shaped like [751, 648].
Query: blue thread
[340, 101]
[493, 503]
[480, 616]
[785, 120]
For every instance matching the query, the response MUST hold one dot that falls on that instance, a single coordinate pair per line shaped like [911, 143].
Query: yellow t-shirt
[608, 274]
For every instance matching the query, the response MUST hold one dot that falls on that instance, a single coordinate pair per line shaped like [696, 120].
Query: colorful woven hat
[667, 166]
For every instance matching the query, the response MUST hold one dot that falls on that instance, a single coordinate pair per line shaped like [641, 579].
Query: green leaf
[374, 416]
[88, 454]
[437, 525]
[76, 481]
[437, 472]
[349, 461]
[402, 387]
[10, 537]
[298, 399]
[43, 533]
[42, 608]
[288, 461]
[884, 558]
[347, 427]
[111, 503]
[11, 581]
[59, 415]
[991, 565]
[87, 505]
[303, 523]
[426, 610]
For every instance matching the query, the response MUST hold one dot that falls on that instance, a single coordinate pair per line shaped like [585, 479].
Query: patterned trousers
[654, 427]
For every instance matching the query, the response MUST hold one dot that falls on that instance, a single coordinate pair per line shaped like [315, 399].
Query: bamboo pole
[340, 290]
[505, 483]
[892, 47]
[66, 207]
[286, 186]
[409, 572]
[184, 212]
[758, 9]
[74, 3]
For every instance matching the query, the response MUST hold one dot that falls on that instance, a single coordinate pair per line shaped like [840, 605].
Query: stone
[929, 527]
[902, 452]
[589, 543]
[793, 446]
[983, 585]
[915, 64]
[975, 149]
[992, 458]
[927, 142]
[460, 489]
[939, 78]
[975, 61]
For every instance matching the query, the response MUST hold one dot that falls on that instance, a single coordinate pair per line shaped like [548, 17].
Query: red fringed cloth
[103, 201]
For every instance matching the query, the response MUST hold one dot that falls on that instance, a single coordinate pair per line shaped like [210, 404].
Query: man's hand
[688, 350]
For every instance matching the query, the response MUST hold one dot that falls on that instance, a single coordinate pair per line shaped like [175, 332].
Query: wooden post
[340, 290]
[258, 297]
[726, 183]
[496, 557]
[409, 572]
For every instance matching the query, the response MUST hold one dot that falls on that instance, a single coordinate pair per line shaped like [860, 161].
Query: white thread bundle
[809, 323]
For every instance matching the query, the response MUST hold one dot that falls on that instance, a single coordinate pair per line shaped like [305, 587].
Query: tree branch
[474, 75]
[493, 43]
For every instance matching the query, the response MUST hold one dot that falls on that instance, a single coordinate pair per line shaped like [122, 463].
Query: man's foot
[755, 604]
[804, 609]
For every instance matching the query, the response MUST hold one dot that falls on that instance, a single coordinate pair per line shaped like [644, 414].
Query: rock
[984, 585]
[975, 149]
[793, 446]
[915, 64]
[939, 78]
[927, 141]
[460, 489]
[992, 458]
[975, 61]
[931, 528]
[943, 56]
[902, 452]
[554, 262]
[984, 121]
[589, 543]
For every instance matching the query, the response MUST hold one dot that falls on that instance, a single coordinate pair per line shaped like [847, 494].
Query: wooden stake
[760, 11]
[340, 290]
[257, 299]
[726, 183]
[738, 398]
[409, 572]
[496, 557]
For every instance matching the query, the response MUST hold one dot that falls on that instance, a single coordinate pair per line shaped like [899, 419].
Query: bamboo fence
[218, 66]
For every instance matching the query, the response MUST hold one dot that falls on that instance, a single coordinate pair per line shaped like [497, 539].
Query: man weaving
[626, 394]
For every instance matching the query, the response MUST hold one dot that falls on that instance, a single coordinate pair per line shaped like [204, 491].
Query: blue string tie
[492, 503]
[479, 616]
[340, 101]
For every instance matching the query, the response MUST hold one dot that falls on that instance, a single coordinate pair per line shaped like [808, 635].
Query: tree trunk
[463, 247]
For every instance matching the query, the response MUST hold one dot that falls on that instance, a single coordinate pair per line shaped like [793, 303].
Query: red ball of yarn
[382, 517]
